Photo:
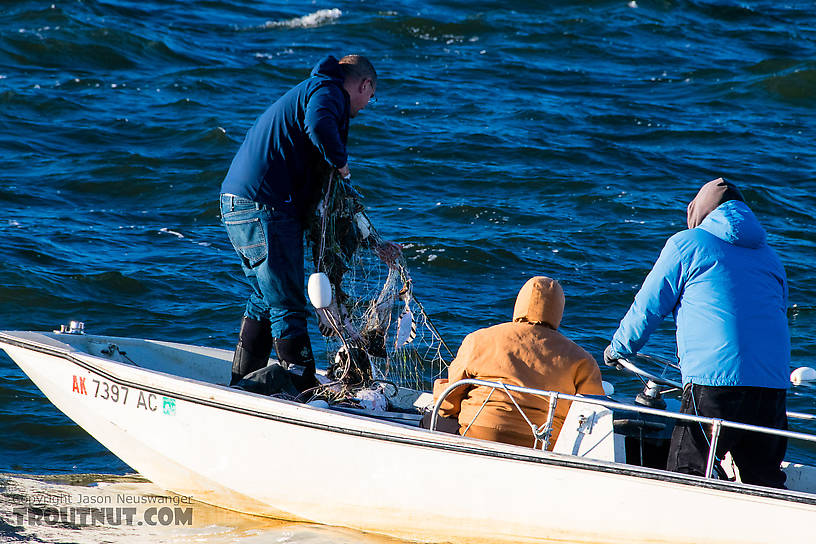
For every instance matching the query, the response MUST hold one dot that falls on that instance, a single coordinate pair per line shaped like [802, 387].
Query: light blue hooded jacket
[728, 292]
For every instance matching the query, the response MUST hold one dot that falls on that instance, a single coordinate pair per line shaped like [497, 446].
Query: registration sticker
[169, 406]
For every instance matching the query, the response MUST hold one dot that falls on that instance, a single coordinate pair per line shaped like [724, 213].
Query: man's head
[710, 196]
[540, 301]
[360, 81]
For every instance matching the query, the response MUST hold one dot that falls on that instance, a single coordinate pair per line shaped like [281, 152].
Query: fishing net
[375, 328]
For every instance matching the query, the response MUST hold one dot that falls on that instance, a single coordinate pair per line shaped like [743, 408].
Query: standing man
[728, 292]
[271, 189]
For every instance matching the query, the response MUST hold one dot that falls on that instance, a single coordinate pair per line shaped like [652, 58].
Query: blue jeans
[270, 245]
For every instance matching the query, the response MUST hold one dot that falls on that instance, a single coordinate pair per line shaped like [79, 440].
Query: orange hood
[540, 301]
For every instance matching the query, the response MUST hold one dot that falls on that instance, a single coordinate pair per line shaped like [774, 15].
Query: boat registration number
[126, 396]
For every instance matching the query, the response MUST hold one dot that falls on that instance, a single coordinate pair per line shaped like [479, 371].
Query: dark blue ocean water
[509, 140]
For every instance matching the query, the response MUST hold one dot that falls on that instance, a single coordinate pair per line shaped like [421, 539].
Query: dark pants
[757, 455]
[270, 245]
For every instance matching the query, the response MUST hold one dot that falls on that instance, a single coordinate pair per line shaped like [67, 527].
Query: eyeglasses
[373, 98]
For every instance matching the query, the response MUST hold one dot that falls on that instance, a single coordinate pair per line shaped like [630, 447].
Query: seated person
[528, 352]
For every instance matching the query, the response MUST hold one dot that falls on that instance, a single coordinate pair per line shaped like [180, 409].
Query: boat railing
[542, 433]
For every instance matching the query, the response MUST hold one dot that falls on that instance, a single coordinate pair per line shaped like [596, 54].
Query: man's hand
[389, 252]
[610, 356]
[344, 171]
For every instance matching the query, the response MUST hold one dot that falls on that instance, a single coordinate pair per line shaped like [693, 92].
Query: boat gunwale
[541, 457]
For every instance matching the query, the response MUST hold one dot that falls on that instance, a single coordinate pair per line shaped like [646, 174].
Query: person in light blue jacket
[727, 291]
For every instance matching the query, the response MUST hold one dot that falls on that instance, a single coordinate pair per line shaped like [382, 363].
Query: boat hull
[291, 461]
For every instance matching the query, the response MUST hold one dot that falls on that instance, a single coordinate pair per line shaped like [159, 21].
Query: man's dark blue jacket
[278, 162]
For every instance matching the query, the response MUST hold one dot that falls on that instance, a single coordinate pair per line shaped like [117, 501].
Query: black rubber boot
[253, 349]
[295, 354]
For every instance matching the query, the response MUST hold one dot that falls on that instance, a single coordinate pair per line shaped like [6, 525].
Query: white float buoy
[320, 290]
[803, 374]
[608, 388]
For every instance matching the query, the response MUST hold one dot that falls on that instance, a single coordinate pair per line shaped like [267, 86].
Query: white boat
[164, 410]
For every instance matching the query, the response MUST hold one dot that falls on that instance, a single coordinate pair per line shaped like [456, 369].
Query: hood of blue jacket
[735, 223]
[329, 68]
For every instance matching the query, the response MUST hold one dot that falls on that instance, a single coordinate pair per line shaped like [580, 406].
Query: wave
[312, 20]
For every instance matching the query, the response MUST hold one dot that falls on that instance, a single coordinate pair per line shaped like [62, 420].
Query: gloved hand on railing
[610, 356]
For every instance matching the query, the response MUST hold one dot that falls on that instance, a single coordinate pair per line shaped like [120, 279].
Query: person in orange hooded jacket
[528, 352]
